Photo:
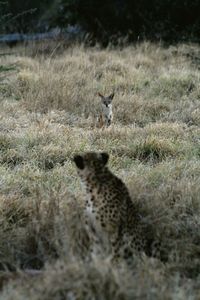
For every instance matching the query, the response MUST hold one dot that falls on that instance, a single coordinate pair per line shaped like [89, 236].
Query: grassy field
[48, 104]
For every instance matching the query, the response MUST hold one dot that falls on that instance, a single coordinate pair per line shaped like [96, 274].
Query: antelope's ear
[78, 159]
[111, 96]
[104, 157]
[100, 95]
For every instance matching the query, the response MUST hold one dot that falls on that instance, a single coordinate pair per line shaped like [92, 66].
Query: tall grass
[49, 104]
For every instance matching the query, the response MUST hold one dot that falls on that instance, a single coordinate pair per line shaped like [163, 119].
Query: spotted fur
[109, 210]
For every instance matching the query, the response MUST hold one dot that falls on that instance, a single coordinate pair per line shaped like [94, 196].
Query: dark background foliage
[169, 20]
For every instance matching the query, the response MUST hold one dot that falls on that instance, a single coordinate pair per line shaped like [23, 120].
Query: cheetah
[108, 208]
[106, 116]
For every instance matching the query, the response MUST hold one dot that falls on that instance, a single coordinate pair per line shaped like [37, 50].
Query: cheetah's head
[90, 162]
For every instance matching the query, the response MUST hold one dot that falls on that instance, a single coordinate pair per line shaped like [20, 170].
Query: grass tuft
[155, 150]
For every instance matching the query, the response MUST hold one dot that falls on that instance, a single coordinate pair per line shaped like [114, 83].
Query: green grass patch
[155, 150]
[6, 68]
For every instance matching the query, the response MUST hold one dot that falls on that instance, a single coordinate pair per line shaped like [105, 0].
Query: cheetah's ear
[104, 157]
[79, 162]
[111, 96]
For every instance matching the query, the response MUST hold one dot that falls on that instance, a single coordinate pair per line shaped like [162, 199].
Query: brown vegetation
[48, 105]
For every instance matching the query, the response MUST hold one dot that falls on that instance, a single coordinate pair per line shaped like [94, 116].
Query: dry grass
[48, 106]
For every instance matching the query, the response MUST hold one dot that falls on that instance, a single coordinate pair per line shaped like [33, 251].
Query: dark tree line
[22, 15]
[169, 20]
[154, 19]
